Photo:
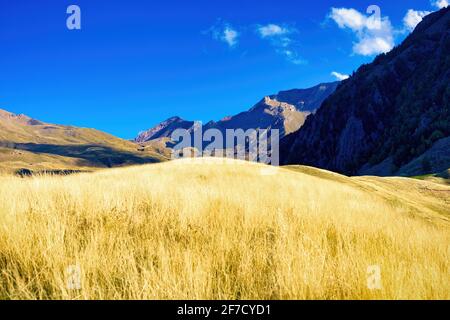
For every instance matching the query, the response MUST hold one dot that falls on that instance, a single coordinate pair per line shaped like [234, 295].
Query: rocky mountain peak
[285, 111]
[19, 118]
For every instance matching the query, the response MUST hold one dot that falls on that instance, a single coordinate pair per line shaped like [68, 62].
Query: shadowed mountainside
[392, 117]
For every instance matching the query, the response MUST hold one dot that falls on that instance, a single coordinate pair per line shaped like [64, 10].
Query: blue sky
[136, 63]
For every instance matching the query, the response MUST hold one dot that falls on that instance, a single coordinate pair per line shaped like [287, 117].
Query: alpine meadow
[188, 229]
[225, 159]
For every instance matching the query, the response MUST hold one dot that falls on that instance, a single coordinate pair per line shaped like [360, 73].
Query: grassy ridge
[26, 143]
[204, 229]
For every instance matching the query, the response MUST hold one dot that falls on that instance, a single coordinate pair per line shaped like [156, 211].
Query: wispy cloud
[340, 76]
[374, 34]
[281, 38]
[230, 36]
[293, 57]
[223, 31]
[271, 30]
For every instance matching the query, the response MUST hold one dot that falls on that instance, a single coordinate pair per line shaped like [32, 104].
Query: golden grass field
[207, 229]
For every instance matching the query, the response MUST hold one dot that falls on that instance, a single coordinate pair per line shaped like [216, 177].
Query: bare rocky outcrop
[285, 111]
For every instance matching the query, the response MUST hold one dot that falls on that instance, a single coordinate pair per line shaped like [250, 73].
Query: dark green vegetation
[392, 117]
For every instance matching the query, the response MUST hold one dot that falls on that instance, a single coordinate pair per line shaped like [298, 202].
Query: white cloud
[440, 3]
[292, 56]
[370, 46]
[413, 18]
[230, 36]
[271, 30]
[280, 37]
[374, 34]
[348, 18]
[340, 76]
[224, 32]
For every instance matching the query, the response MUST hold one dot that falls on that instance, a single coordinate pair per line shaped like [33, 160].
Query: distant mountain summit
[391, 117]
[286, 111]
[16, 119]
[307, 100]
[164, 129]
[266, 114]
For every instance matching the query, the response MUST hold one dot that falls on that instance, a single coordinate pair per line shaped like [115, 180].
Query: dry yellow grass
[207, 230]
[26, 143]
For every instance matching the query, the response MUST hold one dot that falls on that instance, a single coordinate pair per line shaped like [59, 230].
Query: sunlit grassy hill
[214, 229]
[27, 143]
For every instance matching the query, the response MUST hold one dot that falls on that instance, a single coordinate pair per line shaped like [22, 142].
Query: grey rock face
[285, 111]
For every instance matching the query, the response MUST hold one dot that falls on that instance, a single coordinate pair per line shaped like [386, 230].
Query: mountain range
[30, 145]
[285, 111]
[391, 117]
